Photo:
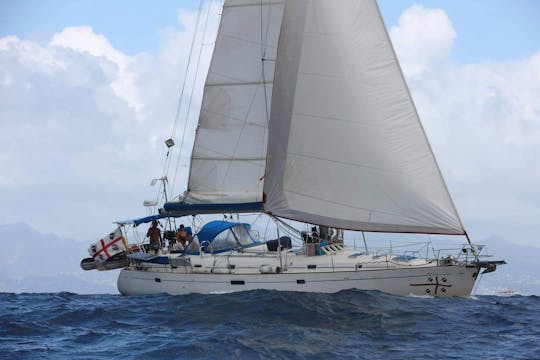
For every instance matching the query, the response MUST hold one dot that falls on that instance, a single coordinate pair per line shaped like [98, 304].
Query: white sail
[346, 148]
[229, 153]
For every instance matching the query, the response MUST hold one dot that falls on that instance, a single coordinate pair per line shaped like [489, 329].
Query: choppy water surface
[268, 324]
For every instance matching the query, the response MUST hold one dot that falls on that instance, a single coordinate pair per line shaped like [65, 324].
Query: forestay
[346, 148]
[229, 155]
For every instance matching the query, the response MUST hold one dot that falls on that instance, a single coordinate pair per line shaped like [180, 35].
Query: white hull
[443, 281]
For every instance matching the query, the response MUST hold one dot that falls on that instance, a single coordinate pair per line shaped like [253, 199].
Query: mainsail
[343, 147]
[229, 154]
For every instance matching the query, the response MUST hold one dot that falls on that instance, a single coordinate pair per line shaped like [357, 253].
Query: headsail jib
[345, 146]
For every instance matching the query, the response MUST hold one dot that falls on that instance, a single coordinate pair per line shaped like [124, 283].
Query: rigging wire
[168, 158]
[266, 229]
[259, 216]
[191, 97]
[289, 228]
[173, 133]
[263, 57]
[181, 99]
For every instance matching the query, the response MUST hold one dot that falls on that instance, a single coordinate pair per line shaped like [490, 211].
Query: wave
[269, 324]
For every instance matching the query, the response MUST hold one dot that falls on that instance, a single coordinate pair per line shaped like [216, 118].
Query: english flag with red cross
[110, 245]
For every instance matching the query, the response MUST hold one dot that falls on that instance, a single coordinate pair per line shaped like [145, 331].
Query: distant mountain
[34, 262]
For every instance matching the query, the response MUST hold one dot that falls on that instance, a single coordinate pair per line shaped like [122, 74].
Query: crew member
[155, 236]
[181, 236]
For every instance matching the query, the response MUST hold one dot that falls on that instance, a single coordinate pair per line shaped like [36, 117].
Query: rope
[289, 229]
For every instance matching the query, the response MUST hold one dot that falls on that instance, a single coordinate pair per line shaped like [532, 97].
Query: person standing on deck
[155, 236]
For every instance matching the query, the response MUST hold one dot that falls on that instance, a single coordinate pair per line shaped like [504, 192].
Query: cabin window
[312, 266]
[300, 281]
[238, 282]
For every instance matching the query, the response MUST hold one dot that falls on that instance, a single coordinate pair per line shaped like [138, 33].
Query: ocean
[268, 325]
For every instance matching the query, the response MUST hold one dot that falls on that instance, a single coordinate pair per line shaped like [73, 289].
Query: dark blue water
[268, 325]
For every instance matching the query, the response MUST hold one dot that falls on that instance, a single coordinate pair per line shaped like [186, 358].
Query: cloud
[483, 120]
[83, 39]
[84, 124]
[421, 38]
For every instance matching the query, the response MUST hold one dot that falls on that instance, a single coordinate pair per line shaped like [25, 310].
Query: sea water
[268, 325]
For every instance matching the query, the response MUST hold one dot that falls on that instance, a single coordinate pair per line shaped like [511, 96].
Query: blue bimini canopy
[212, 229]
[219, 236]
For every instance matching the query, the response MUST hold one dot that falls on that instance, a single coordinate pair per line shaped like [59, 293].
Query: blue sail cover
[180, 209]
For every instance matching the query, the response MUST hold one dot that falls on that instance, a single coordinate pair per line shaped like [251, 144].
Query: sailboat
[306, 118]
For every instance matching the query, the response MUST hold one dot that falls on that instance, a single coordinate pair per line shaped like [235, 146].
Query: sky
[89, 91]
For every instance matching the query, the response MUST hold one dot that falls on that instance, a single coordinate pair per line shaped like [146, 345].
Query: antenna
[164, 180]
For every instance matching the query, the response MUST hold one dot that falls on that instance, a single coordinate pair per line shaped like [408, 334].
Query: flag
[110, 245]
